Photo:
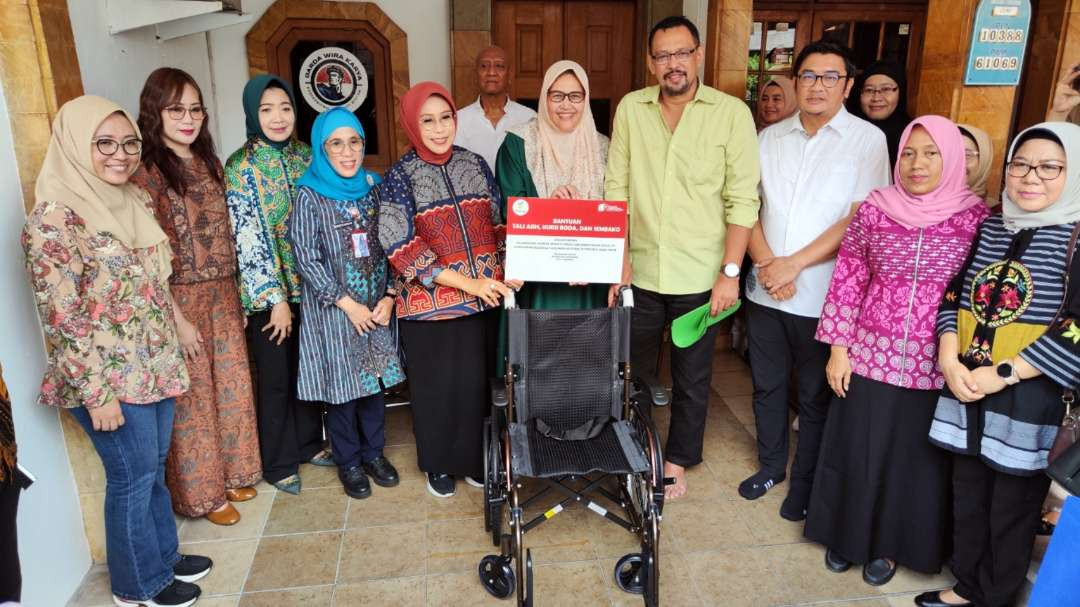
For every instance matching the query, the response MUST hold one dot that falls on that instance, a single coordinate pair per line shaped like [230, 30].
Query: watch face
[1004, 370]
[731, 270]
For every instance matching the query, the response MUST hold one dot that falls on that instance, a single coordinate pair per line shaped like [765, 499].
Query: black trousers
[357, 430]
[995, 518]
[290, 430]
[691, 368]
[10, 573]
[780, 342]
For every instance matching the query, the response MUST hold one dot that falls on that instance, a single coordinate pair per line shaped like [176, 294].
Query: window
[772, 53]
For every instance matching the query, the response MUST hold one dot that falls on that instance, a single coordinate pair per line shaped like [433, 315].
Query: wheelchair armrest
[498, 393]
[655, 390]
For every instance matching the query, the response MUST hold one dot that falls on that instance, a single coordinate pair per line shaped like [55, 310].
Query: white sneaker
[473, 482]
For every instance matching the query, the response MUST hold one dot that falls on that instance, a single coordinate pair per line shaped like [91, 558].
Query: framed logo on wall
[333, 77]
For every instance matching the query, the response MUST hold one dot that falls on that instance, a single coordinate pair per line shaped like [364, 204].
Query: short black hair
[826, 47]
[336, 70]
[673, 22]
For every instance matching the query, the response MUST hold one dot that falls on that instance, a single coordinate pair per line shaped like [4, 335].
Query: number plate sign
[998, 41]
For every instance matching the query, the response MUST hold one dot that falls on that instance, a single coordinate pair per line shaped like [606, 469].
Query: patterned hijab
[67, 176]
[321, 175]
[950, 197]
[555, 158]
[409, 117]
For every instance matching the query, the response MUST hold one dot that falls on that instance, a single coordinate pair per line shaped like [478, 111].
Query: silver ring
[491, 286]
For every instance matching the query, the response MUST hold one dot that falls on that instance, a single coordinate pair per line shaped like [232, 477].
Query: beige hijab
[787, 86]
[978, 180]
[555, 158]
[67, 176]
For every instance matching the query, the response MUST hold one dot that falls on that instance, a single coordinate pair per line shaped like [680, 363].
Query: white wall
[116, 66]
[52, 543]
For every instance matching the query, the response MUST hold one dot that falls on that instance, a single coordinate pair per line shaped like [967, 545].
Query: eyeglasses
[428, 123]
[558, 97]
[176, 112]
[681, 56]
[879, 92]
[1046, 172]
[109, 147]
[337, 146]
[971, 153]
[828, 79]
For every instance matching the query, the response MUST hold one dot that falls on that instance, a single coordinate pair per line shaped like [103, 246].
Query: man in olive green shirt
[685, 157]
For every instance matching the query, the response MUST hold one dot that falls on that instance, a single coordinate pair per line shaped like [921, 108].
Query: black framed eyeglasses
[575, 97]
[1047, 172]
[176, 112]
[681, 56]
[828, 79]
[108, 147]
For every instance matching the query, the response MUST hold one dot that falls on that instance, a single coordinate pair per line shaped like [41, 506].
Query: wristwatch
[1007, 372]
[732, 269]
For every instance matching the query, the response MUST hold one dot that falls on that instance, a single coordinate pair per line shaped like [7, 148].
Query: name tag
[360, 244]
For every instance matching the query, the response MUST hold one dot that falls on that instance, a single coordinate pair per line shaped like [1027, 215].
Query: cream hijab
[67, 176]
[1065, 209]
[555, 158]
[978, 181]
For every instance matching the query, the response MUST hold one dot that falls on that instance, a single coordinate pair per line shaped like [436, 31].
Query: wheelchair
[568, 415]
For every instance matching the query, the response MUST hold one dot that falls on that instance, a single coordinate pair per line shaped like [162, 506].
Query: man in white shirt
[482, 125]
[816, 166]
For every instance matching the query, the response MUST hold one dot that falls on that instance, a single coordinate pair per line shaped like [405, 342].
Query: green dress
[514, 180]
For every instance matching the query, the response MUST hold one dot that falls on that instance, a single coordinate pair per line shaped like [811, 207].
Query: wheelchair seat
[613, 451]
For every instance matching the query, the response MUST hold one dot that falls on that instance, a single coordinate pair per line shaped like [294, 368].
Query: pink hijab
[952, 194]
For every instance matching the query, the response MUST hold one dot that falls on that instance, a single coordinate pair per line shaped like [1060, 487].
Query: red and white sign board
[561, 240]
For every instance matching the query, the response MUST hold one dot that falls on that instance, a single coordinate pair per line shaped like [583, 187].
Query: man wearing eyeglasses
[685, 157]
[815, 167]
[482, 125]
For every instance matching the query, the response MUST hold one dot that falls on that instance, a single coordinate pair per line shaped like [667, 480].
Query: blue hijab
[321, 175]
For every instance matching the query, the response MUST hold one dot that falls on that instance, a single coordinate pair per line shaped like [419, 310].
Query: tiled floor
[404, 547]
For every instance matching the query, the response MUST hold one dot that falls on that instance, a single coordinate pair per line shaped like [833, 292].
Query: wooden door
[598, 34]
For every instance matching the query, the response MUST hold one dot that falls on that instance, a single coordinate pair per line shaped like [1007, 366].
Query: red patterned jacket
[435, 217]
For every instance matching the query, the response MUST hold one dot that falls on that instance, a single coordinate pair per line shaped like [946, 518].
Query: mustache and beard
[671, 89]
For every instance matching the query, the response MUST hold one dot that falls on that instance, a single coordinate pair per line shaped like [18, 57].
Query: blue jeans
[140, 531]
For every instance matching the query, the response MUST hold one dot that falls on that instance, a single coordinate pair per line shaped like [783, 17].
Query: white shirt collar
[838, 123]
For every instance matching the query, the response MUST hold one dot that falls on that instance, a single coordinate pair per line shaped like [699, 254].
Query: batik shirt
[435, 217]
[260, 183]
[197, 223]
[106, 314]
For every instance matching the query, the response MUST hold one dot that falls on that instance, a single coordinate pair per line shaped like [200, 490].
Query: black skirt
[448, 363]
[881, 490]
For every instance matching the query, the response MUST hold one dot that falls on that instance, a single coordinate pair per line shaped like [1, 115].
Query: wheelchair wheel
[497, 576]
[630, 573]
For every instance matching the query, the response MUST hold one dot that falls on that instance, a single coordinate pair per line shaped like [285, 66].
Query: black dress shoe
[878, 572]
[933, 599]
[836, 563]
[355, 482]
[382, 471]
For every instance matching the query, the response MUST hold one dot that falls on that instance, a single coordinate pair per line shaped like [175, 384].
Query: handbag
[1064, 455]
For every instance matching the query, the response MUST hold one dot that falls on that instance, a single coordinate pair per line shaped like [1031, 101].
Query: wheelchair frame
[639, 495]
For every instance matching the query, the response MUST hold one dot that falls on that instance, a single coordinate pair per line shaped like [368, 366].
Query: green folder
[690, 327]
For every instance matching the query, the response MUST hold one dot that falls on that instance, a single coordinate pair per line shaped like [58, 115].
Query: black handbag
[1065, 465]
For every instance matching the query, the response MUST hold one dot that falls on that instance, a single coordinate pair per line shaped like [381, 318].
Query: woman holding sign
[442, 230]
[347, 352]
[558, 154]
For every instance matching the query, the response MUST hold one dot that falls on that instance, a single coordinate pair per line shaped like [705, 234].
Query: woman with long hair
[260, 185]
[214, 459]
[99, 266]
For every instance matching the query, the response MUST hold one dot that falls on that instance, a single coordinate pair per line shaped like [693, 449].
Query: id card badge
[359, 244]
